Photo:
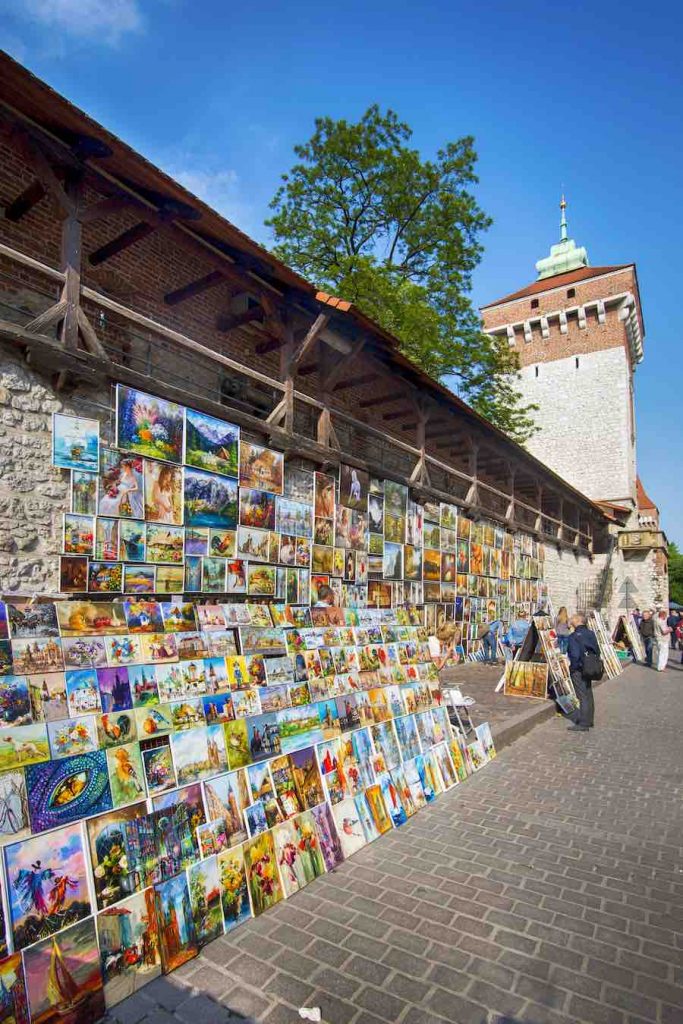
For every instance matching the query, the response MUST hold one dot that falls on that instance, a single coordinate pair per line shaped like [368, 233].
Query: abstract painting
[63, 791]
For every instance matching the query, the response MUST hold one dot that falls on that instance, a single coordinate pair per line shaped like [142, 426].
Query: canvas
[14, 819]
[164, 543]
[105, 578]
[260, 860]
[75, 442]
[126, 774]
[237, 743]
[212, 838]
[298, 852]
[148, 425]
[143, 685]
[13, 989]
[114, 687]
[123, 650]
[120, 485]
[484, 736]
[90, 618]
[210, 499]
[47, 691]
[197, 540]
[122, 853]
[63, 977]
[226, 796]
[261, 468]
[83, 492]
[15, 704]
[198, 753]
[163, 493]
[307, 779]
[60, 792]
[211, 444]
[328, 836]
[353, 487]
[205, 900]
[392, 800]
[72, 736]
[128, 937]
[349, 827]
[78, 534]
[73, 574]
[234, 889]
[178, 937]
[377, 808]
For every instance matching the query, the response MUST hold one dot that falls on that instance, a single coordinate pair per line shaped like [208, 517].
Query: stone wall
[33, 493]
[584, 420]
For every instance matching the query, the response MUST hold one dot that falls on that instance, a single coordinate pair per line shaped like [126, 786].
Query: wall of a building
[584, 421]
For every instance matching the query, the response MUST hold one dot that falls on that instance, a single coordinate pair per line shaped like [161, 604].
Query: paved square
[548, 889]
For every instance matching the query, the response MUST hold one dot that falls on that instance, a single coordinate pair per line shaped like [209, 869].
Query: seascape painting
[63, 977]
[148, 426]
[75, 443]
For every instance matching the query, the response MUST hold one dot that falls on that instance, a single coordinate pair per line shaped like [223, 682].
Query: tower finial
[563, 219]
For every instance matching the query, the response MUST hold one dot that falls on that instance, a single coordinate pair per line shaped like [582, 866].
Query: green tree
[675, 574]
[365, 217]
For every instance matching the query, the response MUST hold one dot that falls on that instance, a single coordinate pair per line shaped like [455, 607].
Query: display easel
[627, 630]
[607, 652]
[541, 639]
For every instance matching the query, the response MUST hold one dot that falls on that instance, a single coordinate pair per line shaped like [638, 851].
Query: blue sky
[586, 97]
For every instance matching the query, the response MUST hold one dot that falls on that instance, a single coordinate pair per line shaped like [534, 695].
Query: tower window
[536, 370]
[576, 361]
[571, 293]
[534, 303]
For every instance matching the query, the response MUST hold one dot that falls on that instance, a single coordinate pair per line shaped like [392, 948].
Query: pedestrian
[672, 622]
[562, 629]
[663, 634]
[637, 617]
[679, 636]
[582, 640]
[647, 633]
[489, 637]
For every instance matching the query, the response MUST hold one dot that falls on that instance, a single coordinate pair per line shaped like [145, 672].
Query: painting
[526, 679]
[132, 541]
[105, 578]
[106, 539]
[212, 838]
[199, 753]
[325, 495]
[392, 800]
[90, 618]
[395, 498]
[14, 820]
[60, 792]
[353, 487]
[114, 687]
[163, 493]
[165, 543]
[73, 574]
[299, 727]
[261, 468]
[128, 938]
[294, 517]
[232, 877]
[197, 540]
[63, 977]
[328, 836]
[139, 579]
[78, 534]
[261, 580]
[205, 900]
[158, 765]
[210, 499]
[47, 885]
[484, 736]
[72, 736]
[226, 796]
[149, 426]
[15, 704]
[298, 852]
[13, 990]
[178, 938]
[256, 509]
[120, 485]
[126, 774]
[211, 444]
[222, 543]
[263, 880]
[378, 810]
[170, 579]
[122, 853]
[75, 442]
[349, 826]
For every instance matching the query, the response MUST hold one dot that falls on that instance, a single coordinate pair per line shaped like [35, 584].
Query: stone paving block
[367, 970]
[211, 981]
[456, 1009]
[631, 1002]
[590, 1012]
[165, 993]
[381, 1002]
[448, 978]
[534, 967]
[406, 962]
[289, 989]
[336, 982]
[201, 1009]
[545, 992]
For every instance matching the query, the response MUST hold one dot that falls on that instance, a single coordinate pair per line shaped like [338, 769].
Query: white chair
[461, 709]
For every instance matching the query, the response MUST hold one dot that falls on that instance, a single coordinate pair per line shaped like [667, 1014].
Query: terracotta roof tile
[643, 500]
[558, 281]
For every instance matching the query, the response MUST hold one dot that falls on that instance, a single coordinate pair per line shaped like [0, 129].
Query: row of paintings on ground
[97, 909]
[181, 502]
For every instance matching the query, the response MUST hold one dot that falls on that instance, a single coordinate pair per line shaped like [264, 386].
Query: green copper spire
[564, 256]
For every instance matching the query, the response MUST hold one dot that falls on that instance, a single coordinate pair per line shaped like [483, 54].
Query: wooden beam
[188, 291]
[122, 241]
[44, 321]
[71, 261]
[39, 163]
[264, 347]
[397, 415]
[25, 201]
[371, 403]
[228, 322]
[344, 363]
[318, 325]
[89, 335]
[355, 382]
[105, 207]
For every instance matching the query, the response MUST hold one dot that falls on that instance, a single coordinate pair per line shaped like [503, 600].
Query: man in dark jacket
[581, 640]
[673, 622]
[647, 632]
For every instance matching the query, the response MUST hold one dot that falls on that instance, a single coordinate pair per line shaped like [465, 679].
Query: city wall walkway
[547, 889]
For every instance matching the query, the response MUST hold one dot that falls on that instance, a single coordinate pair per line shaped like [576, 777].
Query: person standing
[647, 633]
[562, 629]
[637, 617]
[663, 634]
[672, 622]
[581, 640]
[490, 641]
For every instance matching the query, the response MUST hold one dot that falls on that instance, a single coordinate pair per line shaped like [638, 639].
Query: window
[576, 361]
[534, 303]
[571, 292]
[536, 370]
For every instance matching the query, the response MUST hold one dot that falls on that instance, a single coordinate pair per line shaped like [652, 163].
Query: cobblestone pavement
[546, 889]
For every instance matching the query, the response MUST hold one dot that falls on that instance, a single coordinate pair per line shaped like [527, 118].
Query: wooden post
[287, 374]
[472, 497]
[539, 501]
[71, 264]
[510, 511]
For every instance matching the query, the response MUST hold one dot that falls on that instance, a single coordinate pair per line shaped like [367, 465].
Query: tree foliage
[365, 217]
[675, 574]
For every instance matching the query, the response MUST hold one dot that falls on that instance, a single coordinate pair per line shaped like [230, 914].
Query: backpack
[592, 666]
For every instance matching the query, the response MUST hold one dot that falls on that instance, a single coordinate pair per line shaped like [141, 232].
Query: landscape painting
[75, 442]
[211, 444]
[210, 499]
[261, 468]
[148, 425]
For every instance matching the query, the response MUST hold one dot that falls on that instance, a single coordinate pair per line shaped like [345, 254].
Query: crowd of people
[660, 633]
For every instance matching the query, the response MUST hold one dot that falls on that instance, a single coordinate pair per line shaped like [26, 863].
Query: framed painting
[60, 792]
[75, 442]
[210, 499]
[120, 485]
[73, 958]
[163, 493]
[148, 425]
[211, 444]
[261, 468]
